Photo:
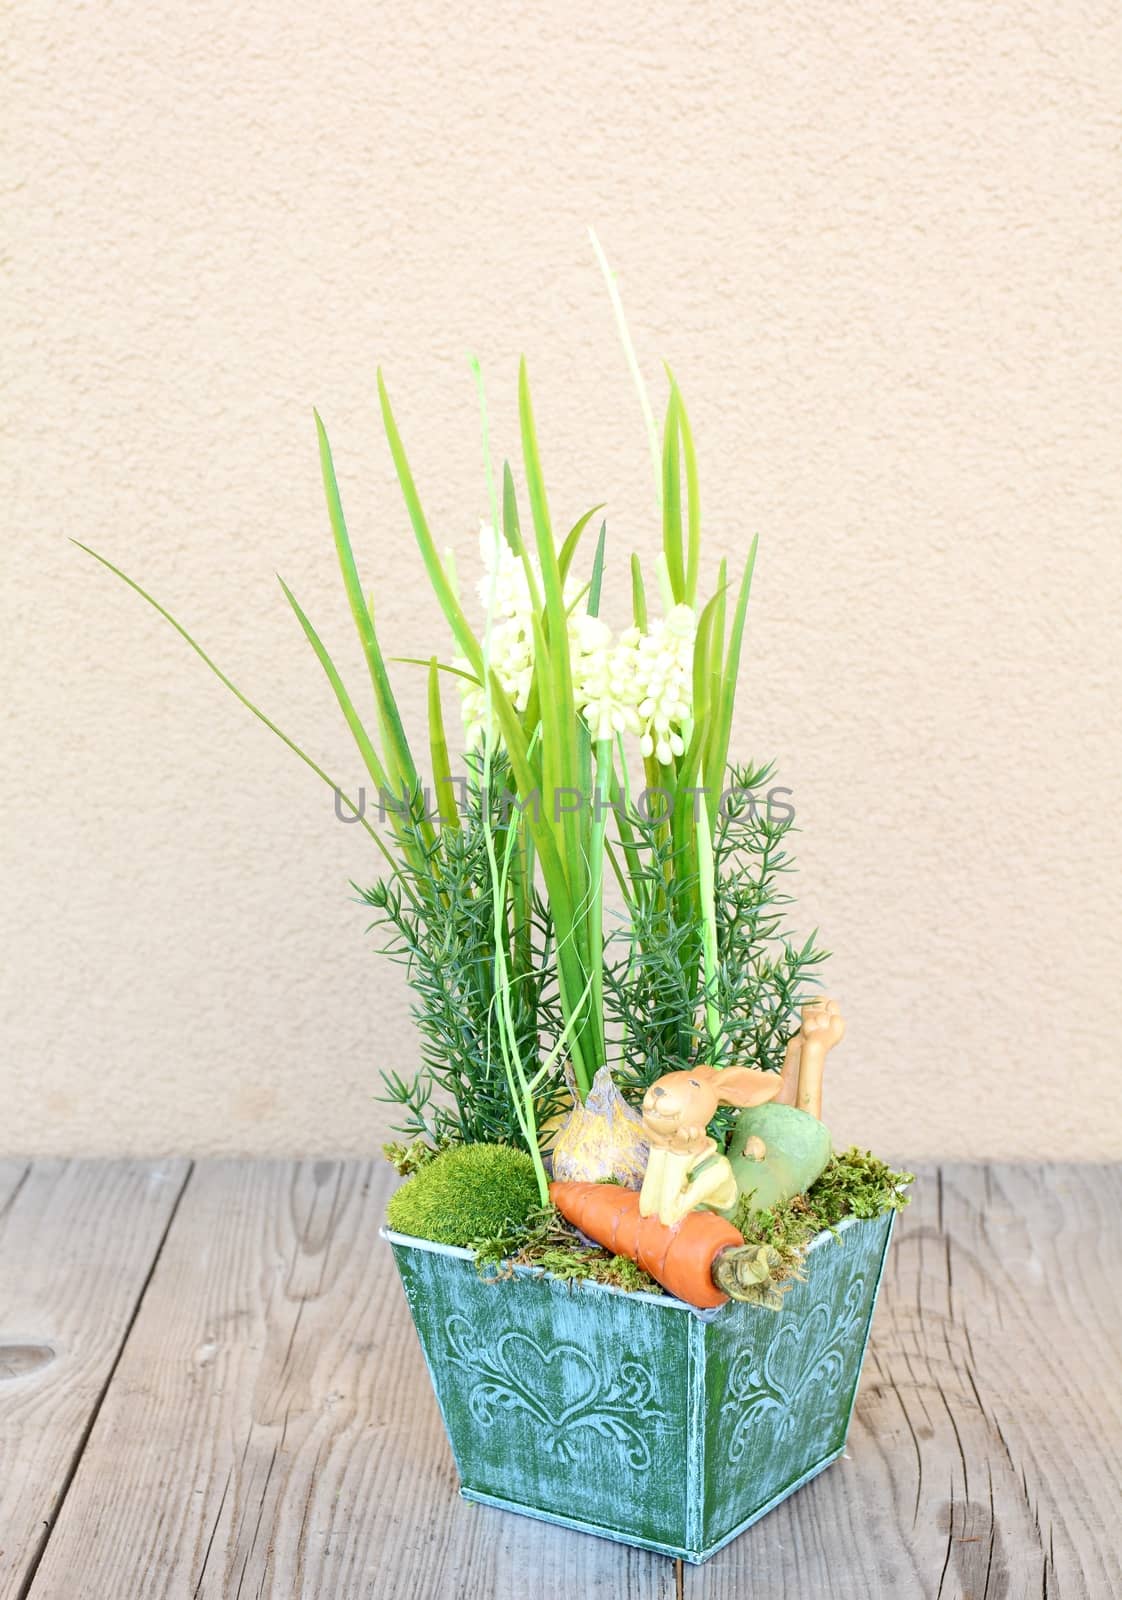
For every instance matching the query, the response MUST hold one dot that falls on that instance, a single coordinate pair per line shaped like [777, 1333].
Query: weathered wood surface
[985, 1455]
[13, 1174]
[77, 1243]
[269, 1430]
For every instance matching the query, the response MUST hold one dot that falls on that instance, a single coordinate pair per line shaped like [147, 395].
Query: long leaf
[571, 974]
[520, 1088]
[709, 955]
[354, 722]
[228, 683]
[441, 666]
[672, 501]
[542, 696]
[512, 531]
[443, 590]
[597, 573]
[374, 766]
[572, 539]
[715, 687]
[595, 921]
[638, 595]
[693, 547]
[717, 758]
[555, 771]
[687, 827]
[685, 822]
[629, 353]
[485, 431]
[527, 781]
[399, 757]
[557, 709]
[438, 751]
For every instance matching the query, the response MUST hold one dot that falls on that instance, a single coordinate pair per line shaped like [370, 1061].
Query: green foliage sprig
[444, 934]
[656, 990]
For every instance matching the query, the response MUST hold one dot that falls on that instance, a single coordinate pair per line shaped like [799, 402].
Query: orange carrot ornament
[681, 1258]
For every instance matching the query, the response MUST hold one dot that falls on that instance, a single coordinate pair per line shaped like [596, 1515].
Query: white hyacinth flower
[604, 677]
[504, 592]
[637, 683]
[664, 677]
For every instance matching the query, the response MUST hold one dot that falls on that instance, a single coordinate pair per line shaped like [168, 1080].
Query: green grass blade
[684, 824]
[597, 839]
[572, 539]
[631, 358]
[557, 708]
[638, 594]
[519, 1087]
[229, 684]
[441, 666]
[557, 729]
[717, 758]
[701, 663]
[581, 594]
[442, 588]
[354, 722]
[554, 1055]
[527, 781]
[535, 483]
[485, 431]
[512, 531]
[621, 873]
[672, 501]
[597, 573]
[693, 499]
[398, 758]
[407, 841]
[637, 893]
[716, 643]
[438, 750]
[572, 975]
[709, 956]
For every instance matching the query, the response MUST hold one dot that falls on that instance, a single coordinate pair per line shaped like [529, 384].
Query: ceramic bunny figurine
[684, 1169]
[778, 1146]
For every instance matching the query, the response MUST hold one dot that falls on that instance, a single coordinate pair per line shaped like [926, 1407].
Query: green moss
[409, 1158]
[626, 1274]
[548, 1243]
[855, 1184]
[467, 1192]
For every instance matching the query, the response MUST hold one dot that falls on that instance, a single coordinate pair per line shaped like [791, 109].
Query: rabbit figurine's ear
[746, 1086]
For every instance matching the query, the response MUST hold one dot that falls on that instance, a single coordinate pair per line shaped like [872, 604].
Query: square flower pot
[634, 1416]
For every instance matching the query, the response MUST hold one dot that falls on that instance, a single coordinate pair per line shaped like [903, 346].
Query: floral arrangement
[622, 1051]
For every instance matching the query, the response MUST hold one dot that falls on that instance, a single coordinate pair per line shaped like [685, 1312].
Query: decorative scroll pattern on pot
[559, 1388]
[808, 1357]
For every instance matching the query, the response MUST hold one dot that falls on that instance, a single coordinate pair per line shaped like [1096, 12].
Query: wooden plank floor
[77, 1246]
[209, 1386]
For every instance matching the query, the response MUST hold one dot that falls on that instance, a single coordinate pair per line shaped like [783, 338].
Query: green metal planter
[634, 1416]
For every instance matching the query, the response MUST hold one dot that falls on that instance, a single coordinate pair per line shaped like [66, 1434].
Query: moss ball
[469, 1192]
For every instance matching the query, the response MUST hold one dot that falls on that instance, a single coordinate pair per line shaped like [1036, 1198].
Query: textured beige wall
[880, 246]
